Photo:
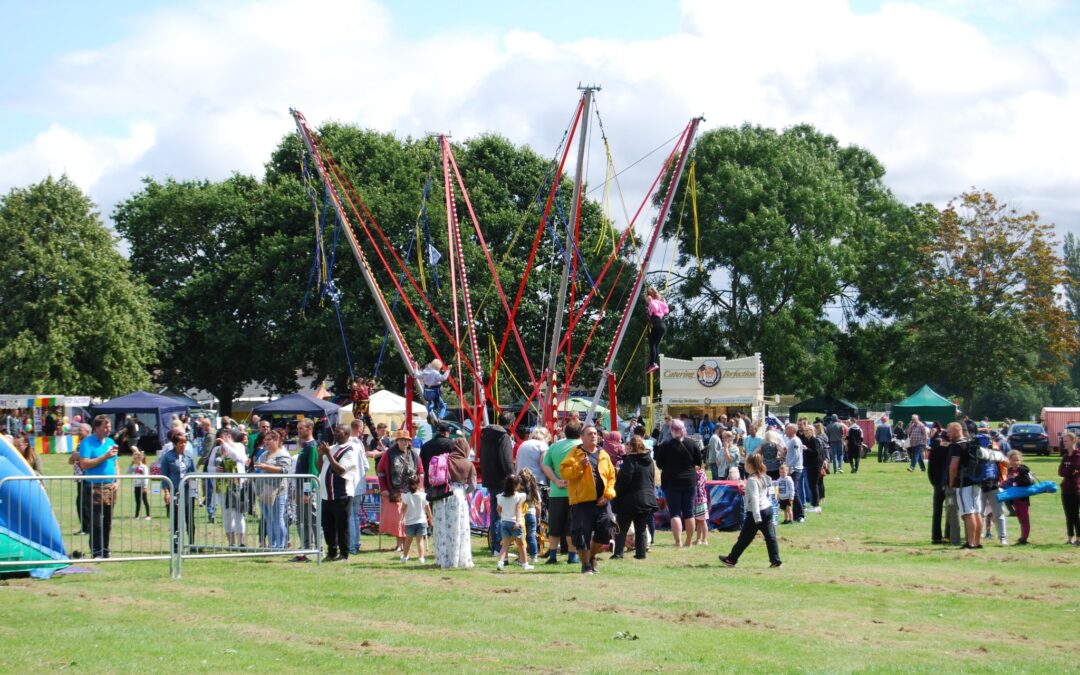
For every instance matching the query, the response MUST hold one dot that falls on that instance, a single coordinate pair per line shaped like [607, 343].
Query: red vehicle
[1056, 421]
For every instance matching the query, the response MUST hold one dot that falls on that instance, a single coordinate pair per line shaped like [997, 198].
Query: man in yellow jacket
[591, 478]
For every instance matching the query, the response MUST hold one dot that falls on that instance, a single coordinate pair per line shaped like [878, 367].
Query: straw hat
[402, 434]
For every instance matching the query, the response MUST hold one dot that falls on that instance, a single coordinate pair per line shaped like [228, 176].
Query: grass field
[861, 589]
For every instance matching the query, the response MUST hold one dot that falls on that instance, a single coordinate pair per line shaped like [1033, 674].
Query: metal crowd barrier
[62, 520]
[234, 516]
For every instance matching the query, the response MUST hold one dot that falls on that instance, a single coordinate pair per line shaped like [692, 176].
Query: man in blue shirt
[97, 457]
[883, 436]
[175, 464]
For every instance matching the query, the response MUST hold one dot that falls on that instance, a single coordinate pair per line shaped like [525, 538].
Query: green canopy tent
[826, 405]
[929, 405]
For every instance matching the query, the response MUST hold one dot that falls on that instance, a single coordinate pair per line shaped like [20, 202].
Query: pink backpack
[439, 470]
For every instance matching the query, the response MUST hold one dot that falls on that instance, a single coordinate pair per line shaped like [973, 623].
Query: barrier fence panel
[248, 515]
[53, 521]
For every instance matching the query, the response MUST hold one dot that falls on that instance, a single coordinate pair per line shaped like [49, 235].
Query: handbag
[104, 494]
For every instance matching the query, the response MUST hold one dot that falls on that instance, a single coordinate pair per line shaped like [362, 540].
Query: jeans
[278, 529]
[434, 401]
[335, 525]
[837, 451]
[883, 451]
[715, 471]
[531, 546]
[641, 537]
[854, 455]
[797, 502]
[997, 511]
[211, 503]
[750, 529]
[496, 534]
[917, 455]
[305, 520]
[356, 509]
[189, 524]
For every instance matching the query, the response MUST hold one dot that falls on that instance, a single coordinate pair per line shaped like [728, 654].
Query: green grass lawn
[861, 589]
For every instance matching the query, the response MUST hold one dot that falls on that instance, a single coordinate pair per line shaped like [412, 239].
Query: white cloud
[205, 90]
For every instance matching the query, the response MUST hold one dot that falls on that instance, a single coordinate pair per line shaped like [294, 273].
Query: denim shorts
[416, 530]
[508, 529]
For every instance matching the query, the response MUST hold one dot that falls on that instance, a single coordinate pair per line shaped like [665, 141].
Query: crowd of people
[591, 490]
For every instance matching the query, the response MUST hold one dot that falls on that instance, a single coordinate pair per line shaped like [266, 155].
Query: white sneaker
[501, 566]
[421, 560]
[527, 567]
[1003, 542]
[404, 558]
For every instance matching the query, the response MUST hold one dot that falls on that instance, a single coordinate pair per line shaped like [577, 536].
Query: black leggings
[1070, 501]
[641, 525]
[141, 499]
[657, 328]
[813, 482]
[750, 530]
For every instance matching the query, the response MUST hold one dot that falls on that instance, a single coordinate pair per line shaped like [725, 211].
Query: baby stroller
[899, 452]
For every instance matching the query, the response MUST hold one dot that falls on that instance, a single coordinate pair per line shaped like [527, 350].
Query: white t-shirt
[348, 461]
[414, 507]
[511, 506]
[360, 473]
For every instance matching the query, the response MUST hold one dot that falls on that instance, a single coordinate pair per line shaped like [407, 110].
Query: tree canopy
[75, 320]
[988, 315]
[793, 226]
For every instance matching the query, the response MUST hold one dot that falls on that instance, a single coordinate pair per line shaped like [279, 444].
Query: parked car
[1073, 427]
[1028, 437]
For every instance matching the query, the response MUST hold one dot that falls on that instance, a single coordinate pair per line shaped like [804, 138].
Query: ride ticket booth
[713, 385]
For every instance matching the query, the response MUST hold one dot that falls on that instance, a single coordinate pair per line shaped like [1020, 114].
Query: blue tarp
[299, 404]
[144, 403]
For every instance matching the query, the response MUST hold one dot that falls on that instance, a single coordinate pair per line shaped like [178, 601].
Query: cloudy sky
[949, 94]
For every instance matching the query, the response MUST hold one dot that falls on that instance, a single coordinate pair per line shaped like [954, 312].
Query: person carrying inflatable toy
[432, 377]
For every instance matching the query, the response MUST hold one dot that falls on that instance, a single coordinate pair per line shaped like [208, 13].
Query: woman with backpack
[393, 470]
[451, 526]
[678, 458]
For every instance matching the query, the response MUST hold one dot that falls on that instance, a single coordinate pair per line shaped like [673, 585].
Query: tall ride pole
[676, 176]
[550, 401]
[365, 271]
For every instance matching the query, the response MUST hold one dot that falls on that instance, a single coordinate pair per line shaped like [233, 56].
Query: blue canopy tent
[300, 404]
[144, 403]
[186, 400]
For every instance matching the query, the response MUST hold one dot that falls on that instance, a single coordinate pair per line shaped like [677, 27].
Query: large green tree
[989, 316]
[75, 320]
[794, 227]
[205, 249]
